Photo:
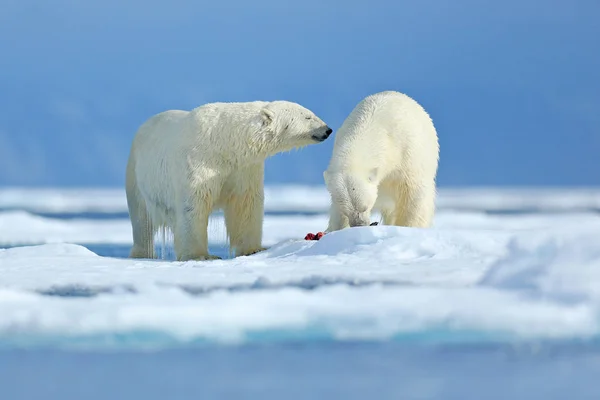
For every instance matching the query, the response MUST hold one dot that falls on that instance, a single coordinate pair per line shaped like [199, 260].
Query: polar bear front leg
[388, 217]
[337, 220]
[244, 211]
[190, 233]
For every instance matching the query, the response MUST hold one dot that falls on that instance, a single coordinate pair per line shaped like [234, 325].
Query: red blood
[319, 235]
[309, 236]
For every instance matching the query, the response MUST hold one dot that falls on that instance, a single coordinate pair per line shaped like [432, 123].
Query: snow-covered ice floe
[531, 281]
[498, 265]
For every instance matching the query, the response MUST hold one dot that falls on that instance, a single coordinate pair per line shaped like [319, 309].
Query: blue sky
[513, 87]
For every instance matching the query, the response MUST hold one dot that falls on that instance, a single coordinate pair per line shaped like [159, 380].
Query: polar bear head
[287, 125]
[353, 194]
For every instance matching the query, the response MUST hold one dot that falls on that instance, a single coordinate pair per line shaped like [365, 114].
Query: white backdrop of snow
[312, 198]
[530, 277]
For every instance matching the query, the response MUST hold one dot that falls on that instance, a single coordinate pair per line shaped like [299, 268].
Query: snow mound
[391, 244]
[21, 227]
[562, 266]
[47, 250]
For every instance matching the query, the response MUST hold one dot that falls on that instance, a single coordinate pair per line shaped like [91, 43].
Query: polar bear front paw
[250, 252]
[207, 257]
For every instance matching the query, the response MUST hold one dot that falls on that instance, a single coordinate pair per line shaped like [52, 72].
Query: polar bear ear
[267, 116]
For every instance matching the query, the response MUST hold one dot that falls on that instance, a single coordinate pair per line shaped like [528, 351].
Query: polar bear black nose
[322, 136]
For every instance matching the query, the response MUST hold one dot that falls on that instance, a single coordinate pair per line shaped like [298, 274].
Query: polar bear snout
[359, 219]
[320, 137]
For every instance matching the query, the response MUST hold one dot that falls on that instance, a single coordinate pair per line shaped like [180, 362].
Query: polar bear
[385, 158]
[185, 164]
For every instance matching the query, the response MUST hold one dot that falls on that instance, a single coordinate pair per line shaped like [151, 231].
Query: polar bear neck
[265, 143]
[236, 131]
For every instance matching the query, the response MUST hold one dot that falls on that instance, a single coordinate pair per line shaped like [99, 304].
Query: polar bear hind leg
[416, 206]
[141, 224]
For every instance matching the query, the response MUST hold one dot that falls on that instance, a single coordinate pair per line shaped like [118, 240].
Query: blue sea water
[303, 366]
[308, 370]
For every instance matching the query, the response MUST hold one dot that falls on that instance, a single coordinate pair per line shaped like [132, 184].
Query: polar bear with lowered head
[185, 164]
[385, 158]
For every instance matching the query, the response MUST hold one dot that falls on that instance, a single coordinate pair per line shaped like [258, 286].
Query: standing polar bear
[385, 157]
[185, 164]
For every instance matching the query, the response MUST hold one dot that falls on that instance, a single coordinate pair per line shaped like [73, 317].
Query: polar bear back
[389, 131]
[218, 126]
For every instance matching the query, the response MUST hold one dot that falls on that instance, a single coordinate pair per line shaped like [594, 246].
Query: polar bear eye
[309, 117]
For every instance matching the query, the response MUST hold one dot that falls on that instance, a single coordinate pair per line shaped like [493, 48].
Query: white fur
[385, 158]
[185, 164]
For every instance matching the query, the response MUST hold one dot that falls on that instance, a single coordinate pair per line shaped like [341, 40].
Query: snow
[570, 200]
[63, 200]
[51, 200]
[492, 277]
[313, 199]
[422, 281]
[22, 227]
